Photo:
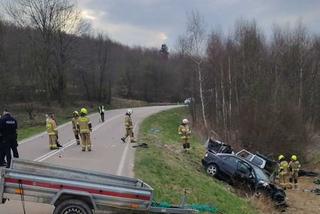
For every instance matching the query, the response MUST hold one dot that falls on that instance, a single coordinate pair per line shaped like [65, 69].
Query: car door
[244, 175]
[229, 165]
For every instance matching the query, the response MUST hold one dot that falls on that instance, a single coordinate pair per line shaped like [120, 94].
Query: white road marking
[71, 142]
[124, 155]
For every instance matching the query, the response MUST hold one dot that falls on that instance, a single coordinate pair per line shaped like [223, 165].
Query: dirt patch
[303, 201]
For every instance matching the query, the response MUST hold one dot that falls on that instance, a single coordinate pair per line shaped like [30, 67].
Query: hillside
[170, 171]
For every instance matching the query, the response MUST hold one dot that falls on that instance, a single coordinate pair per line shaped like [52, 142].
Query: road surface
[108, 153]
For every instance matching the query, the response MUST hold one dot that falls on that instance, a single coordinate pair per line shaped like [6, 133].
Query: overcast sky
[153, 22]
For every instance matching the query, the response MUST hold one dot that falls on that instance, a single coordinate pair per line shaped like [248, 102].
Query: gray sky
[153, 22]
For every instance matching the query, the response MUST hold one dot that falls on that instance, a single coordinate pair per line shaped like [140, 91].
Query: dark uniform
[101, 112]
[8, 130]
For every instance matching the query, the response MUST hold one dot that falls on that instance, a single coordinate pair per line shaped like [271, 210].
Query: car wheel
[212, 170]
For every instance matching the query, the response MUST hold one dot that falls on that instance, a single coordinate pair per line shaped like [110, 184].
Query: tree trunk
[223, 103]
[201, 96]
[230, 96]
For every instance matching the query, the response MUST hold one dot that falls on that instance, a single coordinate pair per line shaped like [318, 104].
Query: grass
[30, 131]
[170, 171]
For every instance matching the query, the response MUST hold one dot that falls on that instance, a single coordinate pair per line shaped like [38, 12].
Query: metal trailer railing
[77, 190]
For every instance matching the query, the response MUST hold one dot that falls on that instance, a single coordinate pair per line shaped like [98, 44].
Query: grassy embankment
[28, 128]
[170, 171]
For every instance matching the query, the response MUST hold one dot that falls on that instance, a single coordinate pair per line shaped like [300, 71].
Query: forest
[253, 90]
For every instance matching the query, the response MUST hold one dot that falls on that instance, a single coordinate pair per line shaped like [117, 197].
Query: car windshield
[260, 174]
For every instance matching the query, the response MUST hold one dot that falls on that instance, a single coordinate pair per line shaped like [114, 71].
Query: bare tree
[103, 58]
[55, 21]
[194, 44]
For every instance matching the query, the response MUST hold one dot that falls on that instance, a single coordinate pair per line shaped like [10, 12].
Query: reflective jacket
[74, 123]
[184, 131]
[294, 166]
[128, 122]
[84, 125]
[51, 127]
[101, 109]
[283, 167]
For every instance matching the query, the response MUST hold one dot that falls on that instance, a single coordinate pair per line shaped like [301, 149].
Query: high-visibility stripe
[66, 187]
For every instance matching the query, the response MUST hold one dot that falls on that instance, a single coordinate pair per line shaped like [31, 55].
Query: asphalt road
[108, 153]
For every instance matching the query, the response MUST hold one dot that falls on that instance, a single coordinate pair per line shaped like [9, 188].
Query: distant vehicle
[187, 101]
[240, 172]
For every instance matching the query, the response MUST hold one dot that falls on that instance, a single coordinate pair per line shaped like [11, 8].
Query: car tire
[212, 170]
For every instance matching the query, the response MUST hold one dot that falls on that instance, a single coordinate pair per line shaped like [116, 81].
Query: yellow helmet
[281, 157]
[84, 111]
[294, 157]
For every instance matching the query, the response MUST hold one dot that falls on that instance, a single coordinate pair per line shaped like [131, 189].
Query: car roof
[232, 155]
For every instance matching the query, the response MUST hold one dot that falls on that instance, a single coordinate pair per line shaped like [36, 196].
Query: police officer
[101, 112]
[8, 130]
[85, 127]
[129, 127]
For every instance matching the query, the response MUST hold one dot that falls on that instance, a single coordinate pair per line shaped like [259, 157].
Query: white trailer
[77, 191]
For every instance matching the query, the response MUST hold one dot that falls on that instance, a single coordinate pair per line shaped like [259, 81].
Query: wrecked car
[240, 172]
[262, 161]
[216, 146]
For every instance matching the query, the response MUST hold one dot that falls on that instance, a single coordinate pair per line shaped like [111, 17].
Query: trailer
[78, 191]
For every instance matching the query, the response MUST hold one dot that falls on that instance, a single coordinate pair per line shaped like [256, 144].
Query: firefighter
[52, 131]
[129, 127]
[185, 132]
[75, 129]
[294, 167]
[8, 130]
[84, 127]
[283, 171]
[101, 112]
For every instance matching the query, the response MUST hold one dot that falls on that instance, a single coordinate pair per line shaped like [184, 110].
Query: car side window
[232, 161]
[256, 160]
[243, 168]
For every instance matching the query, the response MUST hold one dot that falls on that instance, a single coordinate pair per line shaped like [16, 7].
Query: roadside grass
[170, 171]
[30, 131]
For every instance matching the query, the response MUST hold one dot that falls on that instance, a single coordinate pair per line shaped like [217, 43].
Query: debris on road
[317, 181]
[141, 145]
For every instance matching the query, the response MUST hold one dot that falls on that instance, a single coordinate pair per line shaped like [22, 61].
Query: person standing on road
[185, 132]
[101, 112]
[294, 167]
[75, 129]
[52, 131]
[84, 127]
[129, 127]
[283, 171]
[8, 130]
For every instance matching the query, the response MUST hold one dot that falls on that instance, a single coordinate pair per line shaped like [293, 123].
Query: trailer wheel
[72, 206]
